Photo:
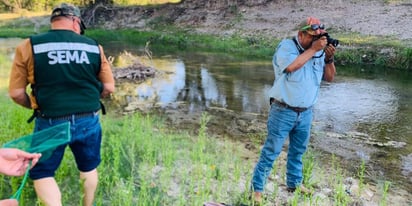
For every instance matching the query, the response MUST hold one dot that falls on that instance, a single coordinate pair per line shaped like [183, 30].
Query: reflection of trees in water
[205, 85]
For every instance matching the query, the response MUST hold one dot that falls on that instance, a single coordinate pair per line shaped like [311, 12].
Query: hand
[329, 51]
[14, 162]
[9, 202]
[320, 43]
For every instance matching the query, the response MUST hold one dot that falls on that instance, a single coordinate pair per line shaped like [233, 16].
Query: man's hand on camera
[320, 43]
[329, 51]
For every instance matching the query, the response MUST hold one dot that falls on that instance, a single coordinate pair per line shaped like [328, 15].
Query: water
[370, 103]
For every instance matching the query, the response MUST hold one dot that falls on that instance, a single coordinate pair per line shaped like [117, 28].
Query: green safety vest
[66, 67]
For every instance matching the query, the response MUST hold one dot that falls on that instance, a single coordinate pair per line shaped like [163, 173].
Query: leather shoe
[257, 198]
[303, 190]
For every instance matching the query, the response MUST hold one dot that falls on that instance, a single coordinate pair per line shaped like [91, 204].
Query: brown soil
[276, 18]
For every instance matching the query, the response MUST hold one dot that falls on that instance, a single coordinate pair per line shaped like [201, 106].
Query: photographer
[300, 64]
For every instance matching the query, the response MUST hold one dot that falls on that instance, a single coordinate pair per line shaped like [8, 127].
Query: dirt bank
[271, 17]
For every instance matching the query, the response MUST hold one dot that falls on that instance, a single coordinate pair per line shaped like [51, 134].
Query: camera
[331, 40]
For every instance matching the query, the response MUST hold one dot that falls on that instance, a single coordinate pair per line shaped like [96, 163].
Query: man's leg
[298, 142]
[90, 181]
[48, 191]
[280, 122]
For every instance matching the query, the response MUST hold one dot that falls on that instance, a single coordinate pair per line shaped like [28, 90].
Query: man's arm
[108, 88]
[20, 97]
[301, 60]
[307, 55]
[106, 76]
[21, 73]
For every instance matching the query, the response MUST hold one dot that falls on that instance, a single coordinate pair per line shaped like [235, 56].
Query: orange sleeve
[23, 67]
[105, 75]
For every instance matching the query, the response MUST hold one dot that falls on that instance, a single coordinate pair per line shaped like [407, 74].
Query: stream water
[364, 115]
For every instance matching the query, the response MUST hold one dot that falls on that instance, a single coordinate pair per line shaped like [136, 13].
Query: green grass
[145, 163]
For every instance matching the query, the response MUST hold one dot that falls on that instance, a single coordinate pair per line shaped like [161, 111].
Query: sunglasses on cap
[314, 27]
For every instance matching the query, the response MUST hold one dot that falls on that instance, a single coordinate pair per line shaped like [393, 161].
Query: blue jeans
[86, 136]
[283, 122]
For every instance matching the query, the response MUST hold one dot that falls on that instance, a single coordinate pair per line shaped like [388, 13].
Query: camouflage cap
[306, 25]
[65, 9]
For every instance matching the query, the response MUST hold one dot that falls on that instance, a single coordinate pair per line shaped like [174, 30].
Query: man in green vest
[68, 74]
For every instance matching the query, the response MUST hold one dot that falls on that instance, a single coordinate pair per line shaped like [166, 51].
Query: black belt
[70, 116]
[37, 113]
[282, 104]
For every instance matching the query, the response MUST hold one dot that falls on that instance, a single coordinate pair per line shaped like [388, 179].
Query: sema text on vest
[67, 57]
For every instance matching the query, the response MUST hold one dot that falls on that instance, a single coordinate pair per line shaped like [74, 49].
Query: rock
[136, 71]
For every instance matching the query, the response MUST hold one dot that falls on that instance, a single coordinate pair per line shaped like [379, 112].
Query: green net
[44, 142]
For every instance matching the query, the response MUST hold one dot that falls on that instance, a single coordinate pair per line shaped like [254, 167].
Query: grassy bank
[354, 49]
[144, 163]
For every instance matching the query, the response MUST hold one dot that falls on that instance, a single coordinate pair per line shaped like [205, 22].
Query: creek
[364, 115]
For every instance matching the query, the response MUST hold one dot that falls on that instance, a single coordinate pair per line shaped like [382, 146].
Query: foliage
[45, 5]
[259, 47]
[144, 2]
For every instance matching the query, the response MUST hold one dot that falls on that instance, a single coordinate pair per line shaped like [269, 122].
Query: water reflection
[350, 101]
[342, 105]
[377, 105]
[164, 90]
[210, 90]
[202, 86]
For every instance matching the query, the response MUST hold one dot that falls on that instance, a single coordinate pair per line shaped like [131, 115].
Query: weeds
[308, 166]
[361, 176]
[144, 163]
[385, 189]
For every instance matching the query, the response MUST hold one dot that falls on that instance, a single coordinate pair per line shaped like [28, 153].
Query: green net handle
[17, 194]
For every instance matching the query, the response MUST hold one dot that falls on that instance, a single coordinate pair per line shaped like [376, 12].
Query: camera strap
[300, 49]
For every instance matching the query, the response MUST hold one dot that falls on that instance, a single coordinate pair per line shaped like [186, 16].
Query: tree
[104, 2]
[13, 5]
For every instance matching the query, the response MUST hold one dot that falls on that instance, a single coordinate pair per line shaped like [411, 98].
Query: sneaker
[303, 190]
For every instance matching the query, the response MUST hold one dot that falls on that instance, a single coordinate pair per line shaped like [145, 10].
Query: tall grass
[144, 163]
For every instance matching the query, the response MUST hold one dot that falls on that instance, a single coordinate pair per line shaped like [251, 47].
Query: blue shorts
[86, 137]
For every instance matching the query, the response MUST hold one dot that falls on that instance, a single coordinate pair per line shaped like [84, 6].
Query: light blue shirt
[301, 87]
